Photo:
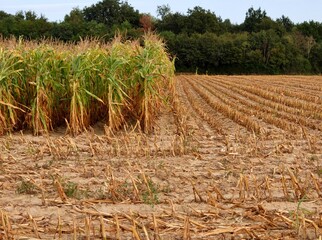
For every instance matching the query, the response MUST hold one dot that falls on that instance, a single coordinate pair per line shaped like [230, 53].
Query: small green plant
[48, 164]
[26, 187]
[100, 194]
[299, 213]
[117, 191]
[161, 165]
[71, 189]
[319, 172]
[313, 158]
[150, 195]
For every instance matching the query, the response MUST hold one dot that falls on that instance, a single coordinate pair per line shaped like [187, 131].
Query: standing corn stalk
[40, 82]
[81, 74]
[44, 84]
[8, 104]
[154, 78]
[114, 84]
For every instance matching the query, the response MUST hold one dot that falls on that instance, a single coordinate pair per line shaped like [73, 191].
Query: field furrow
[264, 101]
[202, 108]
[301, 92]
[271, 108]
[279, 98]
[312, 83]
[225, 108]
[258, 113]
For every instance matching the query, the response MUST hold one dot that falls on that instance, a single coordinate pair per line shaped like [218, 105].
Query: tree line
[199, 39]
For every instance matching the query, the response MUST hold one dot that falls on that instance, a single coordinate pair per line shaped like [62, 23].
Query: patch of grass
[150, 195]
[72, 190]
[319, 172]
[26, 187]
[48, 164]
[116, 191]
[313, 158]
[300, 213]
[100, 194]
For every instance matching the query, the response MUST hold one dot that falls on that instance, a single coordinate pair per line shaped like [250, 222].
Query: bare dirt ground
[234, 157]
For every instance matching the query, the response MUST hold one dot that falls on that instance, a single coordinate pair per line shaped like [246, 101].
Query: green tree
[265, 42]
[74, 27]
[286, 23]
[253, 20]
[112, 12]
[25, 24]
[311, 28]
[163, 11]
[173, 22]
[200, 20]
[316, 58]
[3, 15]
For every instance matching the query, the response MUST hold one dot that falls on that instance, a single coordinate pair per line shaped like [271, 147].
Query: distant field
[231, 157]
[260, 104]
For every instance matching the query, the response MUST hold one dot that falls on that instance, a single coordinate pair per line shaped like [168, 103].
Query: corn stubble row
[44, 85]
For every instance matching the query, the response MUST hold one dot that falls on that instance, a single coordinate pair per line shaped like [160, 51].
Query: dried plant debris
[231, 157]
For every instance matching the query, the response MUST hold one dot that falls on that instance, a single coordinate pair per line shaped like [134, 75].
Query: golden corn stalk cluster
[47, 84]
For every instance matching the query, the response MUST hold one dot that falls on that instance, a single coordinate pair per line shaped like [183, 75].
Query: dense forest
[200, 40]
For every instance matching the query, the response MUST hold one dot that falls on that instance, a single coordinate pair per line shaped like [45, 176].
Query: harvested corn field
[229, 157]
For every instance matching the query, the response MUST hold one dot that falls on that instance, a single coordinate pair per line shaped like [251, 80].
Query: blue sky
[296, 10]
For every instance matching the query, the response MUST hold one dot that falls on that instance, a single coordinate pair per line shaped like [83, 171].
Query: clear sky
[235, 10]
